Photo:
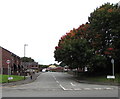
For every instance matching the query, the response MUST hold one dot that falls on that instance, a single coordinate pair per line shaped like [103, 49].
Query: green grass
[100, 78]
[4, 78]
[103, 79]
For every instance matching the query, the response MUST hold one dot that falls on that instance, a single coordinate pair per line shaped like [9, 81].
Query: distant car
[44, 70]
[65, 70]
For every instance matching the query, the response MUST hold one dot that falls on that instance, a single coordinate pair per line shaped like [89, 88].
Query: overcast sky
[40, 24]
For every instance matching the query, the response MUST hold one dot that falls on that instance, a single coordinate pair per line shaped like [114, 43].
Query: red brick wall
[0, 57]
[0, 60]
[14, 59]
[6, 55]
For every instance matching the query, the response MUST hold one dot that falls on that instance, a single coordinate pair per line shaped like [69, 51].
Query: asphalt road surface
[57, 84]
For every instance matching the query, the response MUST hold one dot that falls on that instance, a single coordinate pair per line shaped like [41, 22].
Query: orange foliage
[110, 10]
[57, 47]
[110, 49]
[101, 9]
[98, 35]
[80, 30]
[107, 52]
[63, 37]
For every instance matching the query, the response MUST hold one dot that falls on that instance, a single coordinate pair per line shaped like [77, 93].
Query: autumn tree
[105, 24]
[73, 49]
[93, 43]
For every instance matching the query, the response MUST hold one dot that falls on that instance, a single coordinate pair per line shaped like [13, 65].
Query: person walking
[31, 76]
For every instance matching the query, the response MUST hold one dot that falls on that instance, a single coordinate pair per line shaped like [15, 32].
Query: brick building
[15, 66]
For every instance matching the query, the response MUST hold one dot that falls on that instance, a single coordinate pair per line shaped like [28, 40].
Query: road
[57, 84]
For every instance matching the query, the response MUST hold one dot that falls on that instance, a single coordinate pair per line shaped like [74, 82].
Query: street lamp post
[25, 49]
[24, 57]
[119, 4]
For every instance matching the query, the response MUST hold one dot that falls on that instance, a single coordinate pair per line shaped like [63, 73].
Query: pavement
[27, 80]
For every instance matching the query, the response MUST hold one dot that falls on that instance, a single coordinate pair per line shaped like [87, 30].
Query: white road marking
[72, 84]
[62, 87]
[68, 89]
[78, 89]
[108, 88]
[87, 88]
[57, 81]
[97, 88]
[54, 77]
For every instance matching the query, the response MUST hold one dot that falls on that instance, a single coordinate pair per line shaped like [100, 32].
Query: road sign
[10, 78]
[110, 77]
[8, 61]
[112, 61]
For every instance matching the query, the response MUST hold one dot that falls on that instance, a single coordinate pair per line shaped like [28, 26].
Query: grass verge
[98, 78]
[4, 78]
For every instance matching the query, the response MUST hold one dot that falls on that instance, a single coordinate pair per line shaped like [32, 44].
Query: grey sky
[40, 24]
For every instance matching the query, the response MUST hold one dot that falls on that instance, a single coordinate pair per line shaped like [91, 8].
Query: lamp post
[119, 4]
[25, 49]
[24, 58]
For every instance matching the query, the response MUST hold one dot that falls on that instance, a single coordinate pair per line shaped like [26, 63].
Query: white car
[44, 70]
[65, 70]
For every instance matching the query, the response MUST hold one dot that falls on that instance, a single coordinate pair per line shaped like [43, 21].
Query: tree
[73, 49]
[94, 42]
[43, 66]
[105, 24]
[27, 59]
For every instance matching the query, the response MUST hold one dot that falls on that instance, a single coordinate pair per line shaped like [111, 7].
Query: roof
[29, 63]
[10, 52]
[52, 66]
